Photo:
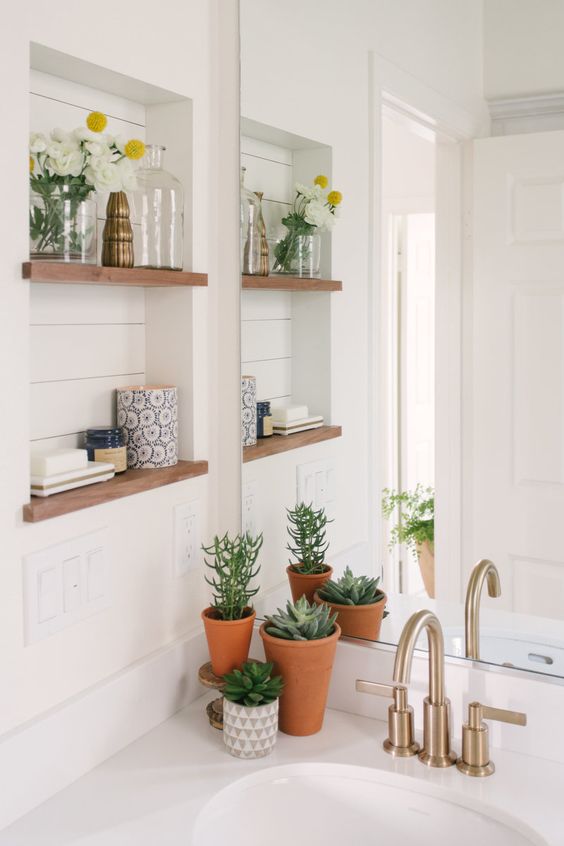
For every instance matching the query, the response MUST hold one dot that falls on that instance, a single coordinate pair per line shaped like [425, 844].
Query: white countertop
[150, 793]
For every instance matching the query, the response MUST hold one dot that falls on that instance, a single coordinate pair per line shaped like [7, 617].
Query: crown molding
[523, 107]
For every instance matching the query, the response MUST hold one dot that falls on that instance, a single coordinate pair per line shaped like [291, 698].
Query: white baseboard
[50, 752]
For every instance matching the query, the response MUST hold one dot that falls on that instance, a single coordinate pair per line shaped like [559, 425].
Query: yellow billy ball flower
[321, 180]
[334, 197]
[96, 122]
[31, 164]
[134, 149]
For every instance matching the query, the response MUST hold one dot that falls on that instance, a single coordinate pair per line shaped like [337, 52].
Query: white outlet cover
[186, 546]
[249, 517]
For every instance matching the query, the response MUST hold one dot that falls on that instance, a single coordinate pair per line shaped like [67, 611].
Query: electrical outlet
[249, 515]
[65, 583]
[186, 537]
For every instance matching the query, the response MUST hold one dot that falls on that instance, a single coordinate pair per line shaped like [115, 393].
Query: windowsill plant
[250, 710]
[358, 602]
[309, 545]
[301, 643]
[414, 513]
[229, 620]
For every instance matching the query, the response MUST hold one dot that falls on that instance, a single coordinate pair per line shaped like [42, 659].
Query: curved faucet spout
[484, 570]
[404, 654]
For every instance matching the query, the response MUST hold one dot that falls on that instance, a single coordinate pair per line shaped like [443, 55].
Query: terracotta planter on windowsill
[302, 585]
[228, 640]
[426, 558]
[362, 621]
[305, 666]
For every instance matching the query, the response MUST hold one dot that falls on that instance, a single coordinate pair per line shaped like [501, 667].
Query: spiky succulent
[309, 544]
[252, 685]
[234, 568]
[302, 621]
[351, 590]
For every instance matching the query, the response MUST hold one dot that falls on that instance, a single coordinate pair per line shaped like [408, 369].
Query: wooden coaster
[208, 678]
[214, 711]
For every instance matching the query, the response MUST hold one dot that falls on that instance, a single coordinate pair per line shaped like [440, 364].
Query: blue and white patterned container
[148, 415]
[248, 410]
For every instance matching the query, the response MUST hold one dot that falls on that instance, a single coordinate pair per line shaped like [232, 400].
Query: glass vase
[158, 214]
[62, 227]
[298, 255]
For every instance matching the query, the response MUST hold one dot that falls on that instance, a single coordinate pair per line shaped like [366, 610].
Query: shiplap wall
[85, 340]
[266, 329]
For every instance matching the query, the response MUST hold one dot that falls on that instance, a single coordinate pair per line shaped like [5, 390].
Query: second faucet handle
[475, 758]
[400, 741]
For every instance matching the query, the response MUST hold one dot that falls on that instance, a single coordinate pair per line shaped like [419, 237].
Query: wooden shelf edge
[290, 283]
[126, 484]
[278, 444]
[92, 274]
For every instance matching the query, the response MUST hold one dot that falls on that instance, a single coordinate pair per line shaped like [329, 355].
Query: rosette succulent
[252, 685]
[351, 590]
[302, 621]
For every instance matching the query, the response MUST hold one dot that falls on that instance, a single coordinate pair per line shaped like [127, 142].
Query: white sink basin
[511, 649]
[320, 804]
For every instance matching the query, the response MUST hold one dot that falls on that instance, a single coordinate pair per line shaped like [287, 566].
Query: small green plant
[308, 540]
[302, 621]
[234, 565]
[252, 685]
[416, 516]
[351, 590]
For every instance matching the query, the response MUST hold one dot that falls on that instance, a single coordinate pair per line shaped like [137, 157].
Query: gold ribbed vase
[117, 238]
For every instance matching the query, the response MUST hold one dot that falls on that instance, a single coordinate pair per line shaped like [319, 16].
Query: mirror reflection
[401, 359]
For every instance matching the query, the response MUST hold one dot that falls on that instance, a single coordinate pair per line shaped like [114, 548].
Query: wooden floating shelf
[126, 484]
[283, 443]
[290, 283]
[67, 273]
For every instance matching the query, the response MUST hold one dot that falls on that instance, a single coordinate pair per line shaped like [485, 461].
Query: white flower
[318, 214]
[103, 175]
[82, 133]
[61, 136]
[127, 175]
[64, 159]
[119, 141]
[99, 149]
[37, 142]
[310, 192]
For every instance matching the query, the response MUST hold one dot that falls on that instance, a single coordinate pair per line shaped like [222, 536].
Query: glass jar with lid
[158, 214]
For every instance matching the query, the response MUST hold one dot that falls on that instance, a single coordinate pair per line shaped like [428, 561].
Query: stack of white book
[293, 419]
[59, 470]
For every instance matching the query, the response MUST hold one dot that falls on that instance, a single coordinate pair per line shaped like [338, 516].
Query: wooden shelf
[91, 274]
[290, 283]
[126, 484]
[283, 443]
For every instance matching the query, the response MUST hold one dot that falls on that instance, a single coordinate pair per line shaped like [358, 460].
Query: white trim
[541, 104]
[45, 755]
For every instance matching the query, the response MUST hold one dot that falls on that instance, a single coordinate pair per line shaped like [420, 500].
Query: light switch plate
[186, 545]
[65, 583]
[249, 520]
[316, 485]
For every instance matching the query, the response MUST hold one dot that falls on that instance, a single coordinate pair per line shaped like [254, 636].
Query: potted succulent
[229, 620]
[359, 604]
[301, 643]
[415, 527]
[309, 546]
[250, 710]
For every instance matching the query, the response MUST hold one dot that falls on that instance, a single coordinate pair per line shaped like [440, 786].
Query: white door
[513, 499]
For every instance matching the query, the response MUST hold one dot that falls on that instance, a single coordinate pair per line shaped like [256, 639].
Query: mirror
[404, 350]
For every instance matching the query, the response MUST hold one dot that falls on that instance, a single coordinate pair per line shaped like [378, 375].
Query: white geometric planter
[250, 732]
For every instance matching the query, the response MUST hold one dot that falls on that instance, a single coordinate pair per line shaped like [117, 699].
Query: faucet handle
[400, 742]
[475, 758]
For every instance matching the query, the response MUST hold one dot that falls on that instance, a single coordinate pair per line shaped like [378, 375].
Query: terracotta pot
[362, 621]
[301, 585]
[426, 558]
[228, 640]
[305, 666]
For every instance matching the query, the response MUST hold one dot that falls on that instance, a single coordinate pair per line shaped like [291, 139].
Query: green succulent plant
[234, 566]
[351, 590]
[301, 621]
[252, 685]
[308, 541]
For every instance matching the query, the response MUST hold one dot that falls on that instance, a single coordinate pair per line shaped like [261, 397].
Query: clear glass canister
[63, 226]
[158, 214]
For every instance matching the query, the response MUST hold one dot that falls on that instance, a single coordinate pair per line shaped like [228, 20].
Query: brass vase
[117, 238]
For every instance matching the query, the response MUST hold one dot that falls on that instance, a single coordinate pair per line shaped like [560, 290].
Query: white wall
[408, 173]
[523, 48]
[188, 48]
[305, 69]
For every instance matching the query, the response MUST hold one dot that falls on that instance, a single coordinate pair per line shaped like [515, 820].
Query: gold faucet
[436, 750]
[484, 569]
